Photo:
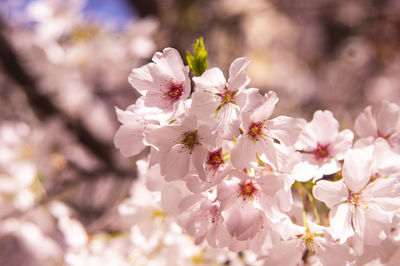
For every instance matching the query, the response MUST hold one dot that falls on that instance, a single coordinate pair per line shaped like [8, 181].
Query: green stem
[311, 199]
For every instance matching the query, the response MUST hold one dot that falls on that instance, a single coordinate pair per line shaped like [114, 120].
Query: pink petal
[204, 104]
[286, 253]
[340, 220]
[175, 162]
[387, 117]
[237, 74]
[249, 99]
[228, 118]
[325, 126]
[211, 80]
[243, 152]
[171, 61]
[331, 193]
[365, 124]
[264, 111]
[356, 168]
[286, 129]
[129, 139]
[342, 142]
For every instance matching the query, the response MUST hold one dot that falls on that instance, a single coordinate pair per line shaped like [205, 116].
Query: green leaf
[198, 61]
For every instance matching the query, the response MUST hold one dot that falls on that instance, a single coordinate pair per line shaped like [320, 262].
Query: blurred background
[64, 66]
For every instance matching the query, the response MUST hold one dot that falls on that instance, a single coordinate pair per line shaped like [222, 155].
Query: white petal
[170, 199]
[286, 253]
[229, 121]
[243, 222]
[325, 126]
[171, 61]
[175, 162]
[199, 155]
[333, 254]
[342, 142]
[148, 78]
[340, 220]
[211, 80]
[356, 168]
[271, 184]
[365, 124]
[264, 111]
[243, 153]
[249, 99]
[125, 117]
[226, 194]
[237, 74]
[162, 138]
[358, 221]
[377, 227]
[305, 169]
[387, 117]
[129, 139]
[286, 129]
[331, 193]
[204, 104]
[385, 161]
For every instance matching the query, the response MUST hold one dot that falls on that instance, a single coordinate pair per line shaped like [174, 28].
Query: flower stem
[311, 199]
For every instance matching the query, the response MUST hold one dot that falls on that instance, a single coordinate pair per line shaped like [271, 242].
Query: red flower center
[321, 152]
[255, 130]
[189, 139]
[174, 92]
[215, 159]
[247, 190]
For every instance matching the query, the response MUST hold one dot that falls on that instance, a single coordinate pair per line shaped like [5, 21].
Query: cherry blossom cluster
[234, 176]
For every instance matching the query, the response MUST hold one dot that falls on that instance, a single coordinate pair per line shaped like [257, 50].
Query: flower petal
[237, 74]
[331, 193]
[357, 168]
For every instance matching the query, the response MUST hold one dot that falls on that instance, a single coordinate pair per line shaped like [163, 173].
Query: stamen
[215, 159]
[321, 152]
[227, 96]
[189, 139]
[255, 130]
[247, 190]
[174, 92]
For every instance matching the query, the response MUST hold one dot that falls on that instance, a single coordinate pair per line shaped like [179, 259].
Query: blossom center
[174, 92]
[308, 238]
[190, 139]
[247, 190]
[321, 152]
[355, 198]
[215, 159]
[255, 130]
[227, 96]
[158, 215]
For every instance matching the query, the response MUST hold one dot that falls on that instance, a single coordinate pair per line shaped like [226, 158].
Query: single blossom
[262, 136]
[182, 143]
[308, 242]
[224, 100]
[322, 147]
[164, 84]
[384, 122]
[363, 202]
[247, 201]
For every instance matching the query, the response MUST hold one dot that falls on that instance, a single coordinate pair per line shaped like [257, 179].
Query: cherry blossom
[384, 122]
[165, 83]
[322, 146]
[363, 202]
[224, 100]
[182, 143]
[265, 137]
